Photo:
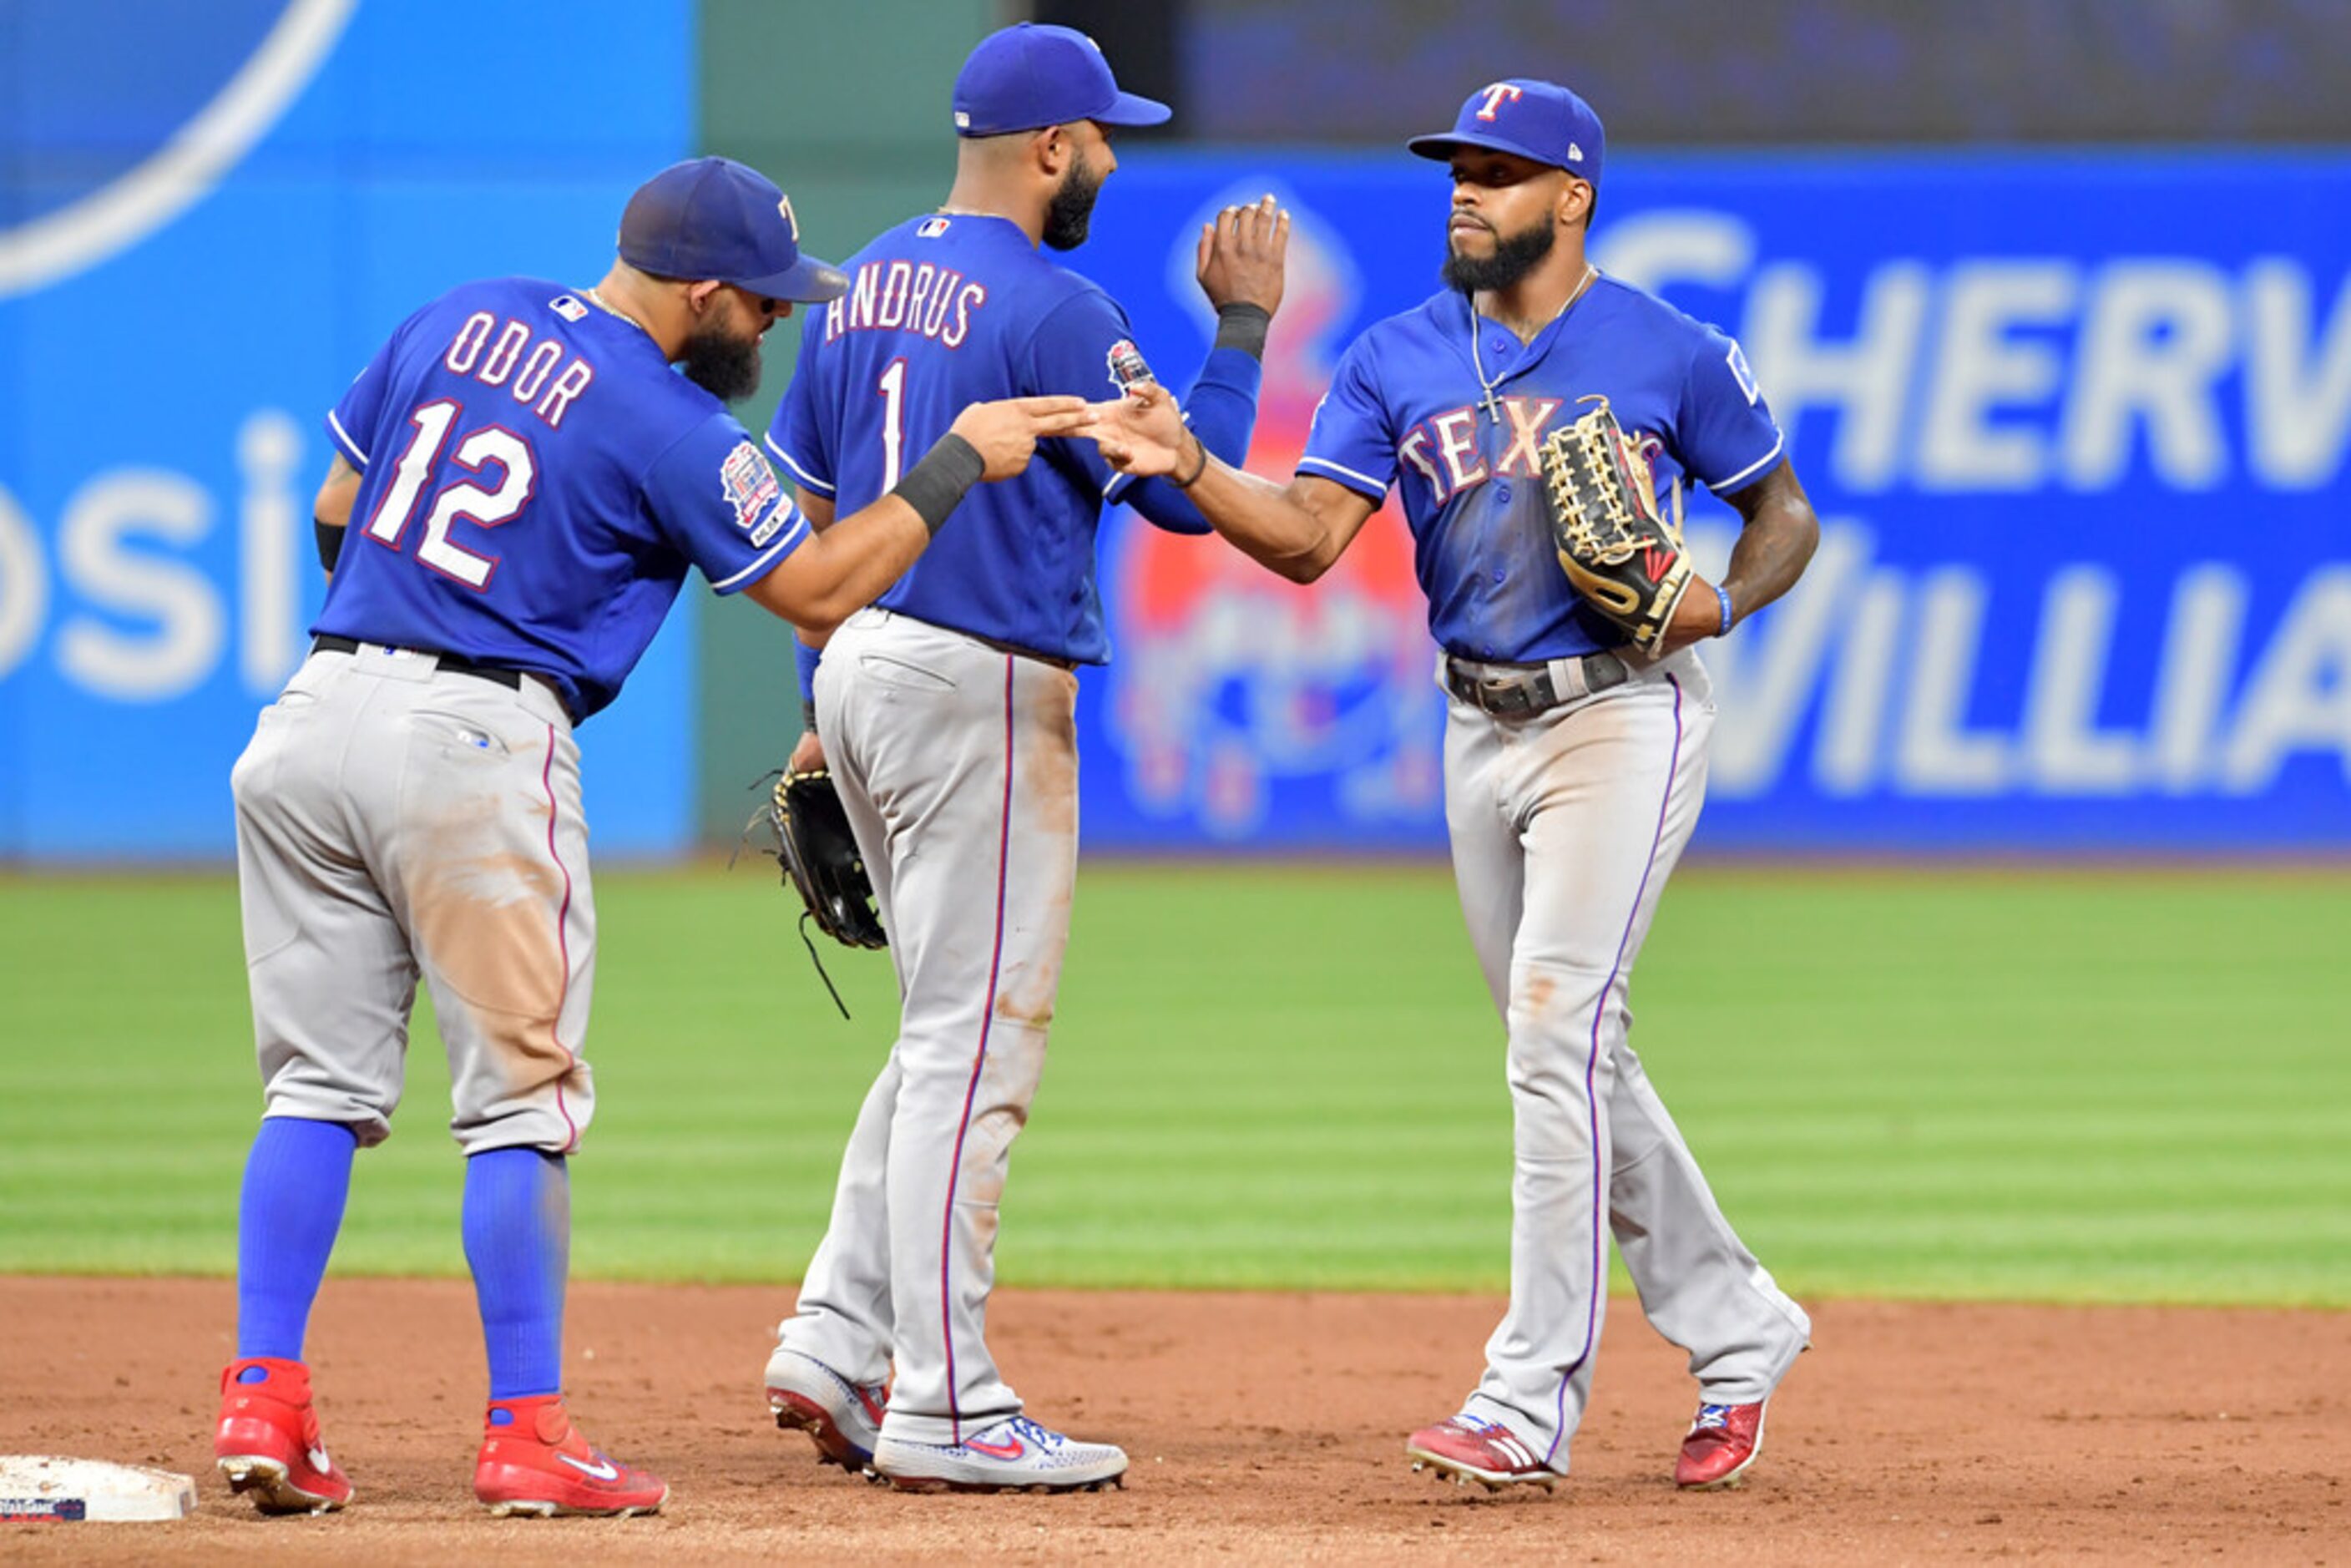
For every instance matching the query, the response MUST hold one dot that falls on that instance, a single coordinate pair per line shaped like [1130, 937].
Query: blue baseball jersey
[536, 480]
[1405, 409]
[943, 311]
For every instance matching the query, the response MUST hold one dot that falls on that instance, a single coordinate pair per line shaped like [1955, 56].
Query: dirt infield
[1262, 1427]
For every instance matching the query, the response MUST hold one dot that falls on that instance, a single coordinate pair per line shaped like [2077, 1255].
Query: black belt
[499, 673]
[1516, 691]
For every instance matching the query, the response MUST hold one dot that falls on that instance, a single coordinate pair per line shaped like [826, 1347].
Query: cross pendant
[1493, 407]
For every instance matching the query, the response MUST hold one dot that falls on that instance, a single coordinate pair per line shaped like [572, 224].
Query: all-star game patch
[749, 485]
[1127, 368]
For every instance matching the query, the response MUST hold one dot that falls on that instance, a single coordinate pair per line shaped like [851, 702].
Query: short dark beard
[1073, 207]
[1514, 256]
[725, 366]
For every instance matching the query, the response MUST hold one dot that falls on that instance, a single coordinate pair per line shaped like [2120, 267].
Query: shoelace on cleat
[1044, 1436]
[1710, 1417]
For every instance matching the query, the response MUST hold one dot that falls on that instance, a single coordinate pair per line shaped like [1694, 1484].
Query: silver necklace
[1491, 400]
[611, 310]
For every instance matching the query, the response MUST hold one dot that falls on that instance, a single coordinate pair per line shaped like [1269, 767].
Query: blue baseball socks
[518, 1244]
[296, 1181]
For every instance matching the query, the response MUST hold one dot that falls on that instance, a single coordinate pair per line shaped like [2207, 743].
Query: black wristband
[944, 475]
[1200, 468]
[331, 542]
[808, 715]
[1242, 326]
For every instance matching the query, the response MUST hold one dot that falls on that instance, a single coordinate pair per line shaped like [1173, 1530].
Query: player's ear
[699, 296]
[1574, 202]
[1053, 149]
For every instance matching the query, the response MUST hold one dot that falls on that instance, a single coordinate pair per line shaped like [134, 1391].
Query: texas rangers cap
[1033, 75]
[713, 217]
[1537, 120]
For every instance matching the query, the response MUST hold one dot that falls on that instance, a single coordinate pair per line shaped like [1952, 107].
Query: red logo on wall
[1228, 679]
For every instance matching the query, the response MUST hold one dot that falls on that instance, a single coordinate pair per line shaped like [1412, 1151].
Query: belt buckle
[1504, 696]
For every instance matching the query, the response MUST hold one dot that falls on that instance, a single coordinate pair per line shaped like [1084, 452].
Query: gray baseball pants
[1565, 826]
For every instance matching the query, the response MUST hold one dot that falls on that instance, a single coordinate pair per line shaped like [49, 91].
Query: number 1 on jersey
[892, 387]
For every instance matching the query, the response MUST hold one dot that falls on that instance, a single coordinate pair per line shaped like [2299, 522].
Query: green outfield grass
[2083, 1086]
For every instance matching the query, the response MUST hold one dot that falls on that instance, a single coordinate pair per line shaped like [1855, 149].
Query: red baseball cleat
[1464, 1448]
[267, 1443]
[535, 1462]
[1722, 1442]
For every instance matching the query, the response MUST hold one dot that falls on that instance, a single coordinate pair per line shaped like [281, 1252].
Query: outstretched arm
[1297, 529]
[845, 566]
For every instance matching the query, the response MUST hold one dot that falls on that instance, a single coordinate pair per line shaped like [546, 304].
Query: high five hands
[1242, 257]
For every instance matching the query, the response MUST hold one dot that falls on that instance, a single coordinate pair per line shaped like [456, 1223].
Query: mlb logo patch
[771, 527]
[750, 486]
[570, 309]
[1127, 368]
[930, 228]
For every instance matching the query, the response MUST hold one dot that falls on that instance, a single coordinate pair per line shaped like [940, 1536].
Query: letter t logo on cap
[791, 221]
[1496, 95]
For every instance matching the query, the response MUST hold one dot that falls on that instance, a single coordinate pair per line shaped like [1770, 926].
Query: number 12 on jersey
[460, 500]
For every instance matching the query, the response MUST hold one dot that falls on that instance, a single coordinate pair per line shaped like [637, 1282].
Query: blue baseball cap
[1537, 120]
[1033, 75]
[713, 217]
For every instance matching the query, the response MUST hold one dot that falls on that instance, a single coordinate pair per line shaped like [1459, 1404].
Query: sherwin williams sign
[2076, 428]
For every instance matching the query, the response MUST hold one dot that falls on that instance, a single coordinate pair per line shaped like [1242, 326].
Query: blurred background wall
[2051, 297]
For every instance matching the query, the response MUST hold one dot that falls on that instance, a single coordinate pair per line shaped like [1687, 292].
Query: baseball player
[521, 482]
[947, 714]
[1573, 766]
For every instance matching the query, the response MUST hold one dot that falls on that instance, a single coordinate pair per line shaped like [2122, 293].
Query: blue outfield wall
[176, 315]
[2075, 426]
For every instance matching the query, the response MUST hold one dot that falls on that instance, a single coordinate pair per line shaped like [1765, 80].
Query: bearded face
[1073, 207]
[722, 356]
[1515, 255]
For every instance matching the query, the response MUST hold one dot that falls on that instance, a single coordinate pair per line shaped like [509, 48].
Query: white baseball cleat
[844, 1418]
[1015, 1454]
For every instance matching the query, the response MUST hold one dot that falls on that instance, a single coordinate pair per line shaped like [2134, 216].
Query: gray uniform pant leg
[396, 821]
[1565, 828]
[327, 964]
[958, 764]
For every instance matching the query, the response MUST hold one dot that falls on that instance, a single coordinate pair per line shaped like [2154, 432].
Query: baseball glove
[820, 858]
[1623, 554]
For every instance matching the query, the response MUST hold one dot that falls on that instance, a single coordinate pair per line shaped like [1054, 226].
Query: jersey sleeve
[803, 440]
[1724, 434]
[1084, 348]
[351, 424]
[716, 497]
[1352, 441]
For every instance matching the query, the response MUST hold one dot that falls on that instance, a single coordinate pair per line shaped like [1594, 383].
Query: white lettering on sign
[123, 611]
[2297, 378]
[1892, 660]
[2156, 339]
[175, 636]
[2299, 699]
[1865, 376]
[23, 585]
[271, 533]
[2004, 374]
[1990, 375]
